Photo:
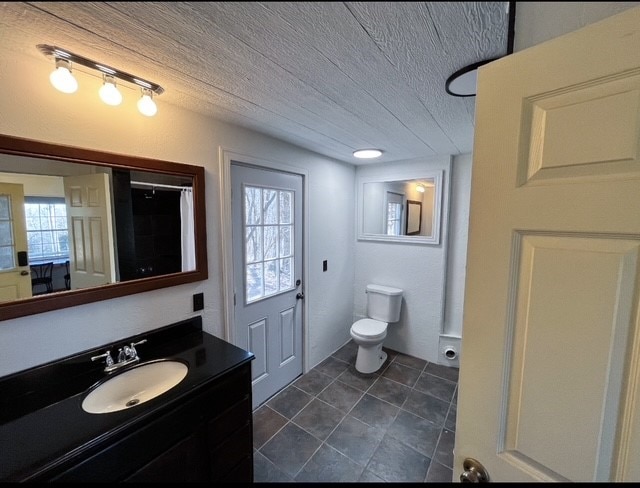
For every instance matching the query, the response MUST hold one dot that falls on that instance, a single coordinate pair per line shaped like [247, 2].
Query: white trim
[225, 156]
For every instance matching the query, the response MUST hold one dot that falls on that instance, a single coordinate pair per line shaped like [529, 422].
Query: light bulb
[420, 188]
[109, 93]
[62, 79]
[367, 153]
[146, 105]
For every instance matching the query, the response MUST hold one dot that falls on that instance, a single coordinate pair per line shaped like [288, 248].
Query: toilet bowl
[383, 307]
[369, 334]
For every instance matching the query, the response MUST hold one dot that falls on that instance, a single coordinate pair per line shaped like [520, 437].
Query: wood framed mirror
[149, 231]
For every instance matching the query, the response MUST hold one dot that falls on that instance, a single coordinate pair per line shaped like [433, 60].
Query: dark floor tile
[454, 400]
[450, 423]
[318, 418]
[415, 432]
[289, 401]
[341, 395]
[328, 465]
[446, 372]
[395, 462]
[369, 477]
[402, 374]
[352, 377]
[332, 367]
[389, 391]
[410, 361]
[436, 386]
[355, 439]
[313, 382]
[290, 449]
[375, 412]
[391, 354]
[427, 407]
[444, 451]
[439, 474]
[264, 471]
[347, 353]
[266, 422]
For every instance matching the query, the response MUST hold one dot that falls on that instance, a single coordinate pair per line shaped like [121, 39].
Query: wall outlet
[198, 301]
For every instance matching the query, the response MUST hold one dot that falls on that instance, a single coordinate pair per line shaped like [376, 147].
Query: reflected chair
[42, 275]
[67, 276]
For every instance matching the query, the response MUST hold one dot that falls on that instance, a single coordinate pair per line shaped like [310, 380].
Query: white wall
[537, 22]
[419, 270]
[31, 108]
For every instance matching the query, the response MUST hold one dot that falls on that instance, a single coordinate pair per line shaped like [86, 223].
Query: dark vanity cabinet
[199, 431]
[205, 438]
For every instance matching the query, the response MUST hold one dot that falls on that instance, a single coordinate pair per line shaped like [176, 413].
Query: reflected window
[47, 235]
[7, 243]
[394, 213]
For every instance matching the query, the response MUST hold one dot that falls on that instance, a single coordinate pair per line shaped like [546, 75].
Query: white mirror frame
[439, 182]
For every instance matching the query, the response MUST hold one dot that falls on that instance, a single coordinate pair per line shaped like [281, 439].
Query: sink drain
[133, 402]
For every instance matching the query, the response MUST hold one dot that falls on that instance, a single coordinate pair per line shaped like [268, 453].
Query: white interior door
[267, 264]
[15, 280]
[550, 364]
[91, 237]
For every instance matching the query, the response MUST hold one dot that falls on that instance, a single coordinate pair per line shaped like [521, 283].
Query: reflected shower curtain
[188, 231]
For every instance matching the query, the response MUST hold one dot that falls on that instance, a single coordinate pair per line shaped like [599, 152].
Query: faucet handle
[132, 349]
[107, 355]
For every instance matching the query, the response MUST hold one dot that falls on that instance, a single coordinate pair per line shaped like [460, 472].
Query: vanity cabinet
[205, 437]
[199, 430]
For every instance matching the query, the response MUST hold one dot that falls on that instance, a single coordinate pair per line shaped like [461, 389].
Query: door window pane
[268, 255]
[7, 244]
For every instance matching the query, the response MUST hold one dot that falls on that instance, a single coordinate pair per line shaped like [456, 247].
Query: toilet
[383, 307]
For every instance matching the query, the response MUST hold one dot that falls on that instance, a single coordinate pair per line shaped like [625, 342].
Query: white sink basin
[135, 386]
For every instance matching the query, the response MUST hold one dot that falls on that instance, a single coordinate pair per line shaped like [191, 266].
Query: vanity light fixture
[146, 105]
[367, 153]
[64, 81]
[109, 92]
[61, 78]
[420, 188]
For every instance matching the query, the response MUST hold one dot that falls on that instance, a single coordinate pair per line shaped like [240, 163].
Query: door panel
[92, 260]
[550, 359]
[15, 280]
[267, 262]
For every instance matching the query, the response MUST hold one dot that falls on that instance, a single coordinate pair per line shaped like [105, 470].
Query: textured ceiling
[331, 77]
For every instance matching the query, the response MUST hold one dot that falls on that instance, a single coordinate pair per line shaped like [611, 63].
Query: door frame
[225, 157]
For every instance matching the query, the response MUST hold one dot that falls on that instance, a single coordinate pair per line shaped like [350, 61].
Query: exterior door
[549, 384]
[267, 264]
[15, 280]
[91, 238]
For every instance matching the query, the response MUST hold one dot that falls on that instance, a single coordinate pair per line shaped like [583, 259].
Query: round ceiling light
[367, 153]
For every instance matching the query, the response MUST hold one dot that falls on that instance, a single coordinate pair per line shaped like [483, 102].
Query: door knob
[24, 273]
[474, 472]
[300, 296]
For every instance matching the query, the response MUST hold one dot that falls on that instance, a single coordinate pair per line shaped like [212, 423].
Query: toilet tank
[383, 303]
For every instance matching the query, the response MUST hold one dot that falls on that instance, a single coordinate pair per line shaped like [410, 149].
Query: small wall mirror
[400, 210]
[78, 225]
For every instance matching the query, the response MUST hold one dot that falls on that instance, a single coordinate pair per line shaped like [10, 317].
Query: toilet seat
[369, 328]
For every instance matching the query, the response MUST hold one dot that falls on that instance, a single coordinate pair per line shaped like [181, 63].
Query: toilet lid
[369, 327]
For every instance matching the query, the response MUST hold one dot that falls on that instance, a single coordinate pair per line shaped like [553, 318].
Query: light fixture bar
[59, 53]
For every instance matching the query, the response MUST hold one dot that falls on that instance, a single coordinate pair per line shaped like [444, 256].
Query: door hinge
[234, 299]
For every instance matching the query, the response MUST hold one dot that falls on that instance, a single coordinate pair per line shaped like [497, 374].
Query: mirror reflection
[70, 226]
[400, 209]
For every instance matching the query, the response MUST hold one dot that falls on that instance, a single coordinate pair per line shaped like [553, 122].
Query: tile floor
[334, 424]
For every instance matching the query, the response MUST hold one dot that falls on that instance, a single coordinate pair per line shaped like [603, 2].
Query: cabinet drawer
[229, 421]
[228, 454]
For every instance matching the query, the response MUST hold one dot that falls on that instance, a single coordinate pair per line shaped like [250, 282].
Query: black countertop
[42, 423]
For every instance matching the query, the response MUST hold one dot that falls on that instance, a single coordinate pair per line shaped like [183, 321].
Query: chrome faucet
[126, 355]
